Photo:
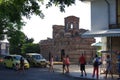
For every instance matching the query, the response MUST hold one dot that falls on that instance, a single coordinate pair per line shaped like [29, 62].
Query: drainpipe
[108, 4]
[110, 41]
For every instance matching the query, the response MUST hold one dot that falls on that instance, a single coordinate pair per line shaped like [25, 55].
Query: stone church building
[67, 40]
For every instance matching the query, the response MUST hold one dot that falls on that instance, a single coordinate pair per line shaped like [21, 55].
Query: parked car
[13, 61]
[36, 59]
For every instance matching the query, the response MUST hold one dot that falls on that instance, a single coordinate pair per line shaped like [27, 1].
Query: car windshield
[16, 57]
[37, 57]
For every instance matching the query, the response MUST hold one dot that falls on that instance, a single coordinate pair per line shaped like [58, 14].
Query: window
[16, 57]
[37, 56]
[71, 26]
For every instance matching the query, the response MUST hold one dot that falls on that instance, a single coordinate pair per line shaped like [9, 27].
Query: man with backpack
[96, 64]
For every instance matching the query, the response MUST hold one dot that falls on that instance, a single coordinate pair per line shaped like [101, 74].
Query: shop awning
[102, 33]
[97, 44]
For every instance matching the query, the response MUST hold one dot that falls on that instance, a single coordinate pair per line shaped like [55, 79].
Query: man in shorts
[82, 62]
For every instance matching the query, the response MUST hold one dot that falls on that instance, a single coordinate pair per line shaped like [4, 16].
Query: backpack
[96, 63]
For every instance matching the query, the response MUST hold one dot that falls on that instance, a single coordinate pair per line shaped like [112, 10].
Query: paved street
[75, 72]
[33, 74]
[44, 74]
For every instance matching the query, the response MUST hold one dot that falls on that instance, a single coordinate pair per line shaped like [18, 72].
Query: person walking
[22, 63]
[108, 66]
[51, 64]
[64, 63]
[96, 66]
[67, 63]
[82, 62]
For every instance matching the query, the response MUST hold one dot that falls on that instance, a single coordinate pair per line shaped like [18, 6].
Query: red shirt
[82, 60]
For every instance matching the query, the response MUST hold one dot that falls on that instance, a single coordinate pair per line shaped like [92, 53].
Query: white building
[4, 47]
[105, 22]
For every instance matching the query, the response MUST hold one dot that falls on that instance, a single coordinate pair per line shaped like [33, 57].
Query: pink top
[67, 61]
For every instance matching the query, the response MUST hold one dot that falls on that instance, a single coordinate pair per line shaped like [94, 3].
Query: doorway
[62, 54]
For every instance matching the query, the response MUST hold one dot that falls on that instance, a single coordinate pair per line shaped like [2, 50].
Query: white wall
[99, 14]
[112, 11]
[85, 15]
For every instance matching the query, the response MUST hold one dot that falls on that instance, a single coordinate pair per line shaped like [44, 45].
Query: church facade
[67, 40]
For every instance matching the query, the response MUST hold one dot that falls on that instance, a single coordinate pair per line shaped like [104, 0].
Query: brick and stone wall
[68, 38]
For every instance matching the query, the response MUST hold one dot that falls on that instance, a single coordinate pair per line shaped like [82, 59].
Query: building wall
[100, 18]
[69, 40]
[4, 48]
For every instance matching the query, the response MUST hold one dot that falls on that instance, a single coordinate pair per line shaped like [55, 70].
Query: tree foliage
[11, 20]
[12, 11]
[30, 48]
[16, 40]
[61, 3]
[20, 43]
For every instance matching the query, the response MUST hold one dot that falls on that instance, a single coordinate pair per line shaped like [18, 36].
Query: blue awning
[102, 33]
[97, 44]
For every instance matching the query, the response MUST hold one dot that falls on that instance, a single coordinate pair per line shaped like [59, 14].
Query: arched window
[71, 26]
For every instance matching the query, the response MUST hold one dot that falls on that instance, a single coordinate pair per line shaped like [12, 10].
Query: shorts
[82, 67]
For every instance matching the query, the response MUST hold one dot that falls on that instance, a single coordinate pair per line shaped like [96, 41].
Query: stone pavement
[89, 69]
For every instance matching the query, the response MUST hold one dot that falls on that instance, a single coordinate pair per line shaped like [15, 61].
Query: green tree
[29, 40]
[16, 39]
[60, 3]
[30, 48]
[11, 18]
[13, 11]
[20, 43]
